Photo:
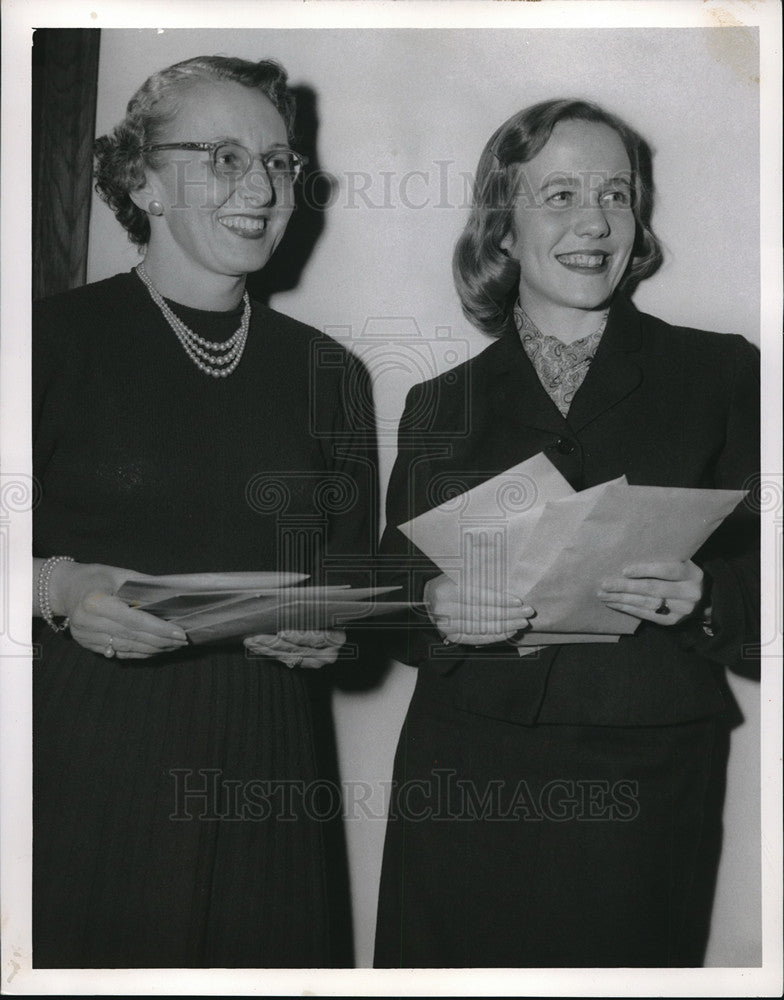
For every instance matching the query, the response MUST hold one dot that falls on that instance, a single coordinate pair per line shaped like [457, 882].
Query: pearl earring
[155, 208]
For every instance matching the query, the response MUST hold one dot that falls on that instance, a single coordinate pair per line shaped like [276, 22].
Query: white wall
[396, 101]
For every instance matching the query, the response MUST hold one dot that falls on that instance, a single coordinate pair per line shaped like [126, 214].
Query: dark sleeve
[49, 391]
[350, 499]
[730, 558]
[411, 636]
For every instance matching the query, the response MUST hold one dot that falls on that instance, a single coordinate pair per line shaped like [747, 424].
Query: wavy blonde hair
[486, 278]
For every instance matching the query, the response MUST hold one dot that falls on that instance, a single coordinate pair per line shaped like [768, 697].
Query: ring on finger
[110, 650]
[663, 608]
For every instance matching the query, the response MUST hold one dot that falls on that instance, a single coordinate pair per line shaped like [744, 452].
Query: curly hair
[486, 278]
[120, 162]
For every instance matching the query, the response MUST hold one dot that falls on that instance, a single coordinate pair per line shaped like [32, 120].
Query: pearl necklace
[218, 359]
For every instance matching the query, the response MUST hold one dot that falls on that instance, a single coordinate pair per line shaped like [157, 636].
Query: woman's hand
[101, 622]
[664, 593]
[307, 648]
[474, 616]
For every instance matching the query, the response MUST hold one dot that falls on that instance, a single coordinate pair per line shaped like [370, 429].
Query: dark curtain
[65, 78]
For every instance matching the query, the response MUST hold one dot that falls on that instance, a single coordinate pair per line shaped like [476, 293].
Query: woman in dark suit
[552, 806]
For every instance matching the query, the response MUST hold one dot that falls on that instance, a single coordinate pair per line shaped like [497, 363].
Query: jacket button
[564, 446]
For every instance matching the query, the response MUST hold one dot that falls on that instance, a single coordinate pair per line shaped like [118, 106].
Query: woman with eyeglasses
[180, 427]
[560, 805]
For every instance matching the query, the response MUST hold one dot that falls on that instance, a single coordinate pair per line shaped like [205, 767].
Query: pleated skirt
[175, 813]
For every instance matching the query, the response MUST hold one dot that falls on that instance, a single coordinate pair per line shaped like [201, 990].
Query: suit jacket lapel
[517, 394]
[615, 370]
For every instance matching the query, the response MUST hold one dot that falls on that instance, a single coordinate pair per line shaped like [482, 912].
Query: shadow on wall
[283, 273]
[284, 270]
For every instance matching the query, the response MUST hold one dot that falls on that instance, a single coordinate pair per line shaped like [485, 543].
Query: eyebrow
[236, 141]
[573, 179]
[553, 179]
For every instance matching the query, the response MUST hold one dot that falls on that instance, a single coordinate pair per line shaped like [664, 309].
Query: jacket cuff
[720, 631]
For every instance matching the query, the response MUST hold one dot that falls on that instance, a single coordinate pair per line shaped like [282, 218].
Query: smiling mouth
[583, 261]
[249, 227]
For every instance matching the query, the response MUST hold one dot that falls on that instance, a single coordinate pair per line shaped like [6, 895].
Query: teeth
[245, 224]
[582, 259]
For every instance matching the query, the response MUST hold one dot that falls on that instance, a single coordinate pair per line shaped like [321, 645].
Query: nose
[255, 187]
[592, 221]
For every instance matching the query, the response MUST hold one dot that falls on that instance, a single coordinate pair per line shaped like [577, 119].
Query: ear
[149, 191]
[142, 195]
[507, 242]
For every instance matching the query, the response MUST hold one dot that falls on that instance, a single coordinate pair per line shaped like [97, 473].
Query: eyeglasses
[231, 161]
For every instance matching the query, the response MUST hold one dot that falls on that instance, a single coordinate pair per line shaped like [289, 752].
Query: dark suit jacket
[663, 405]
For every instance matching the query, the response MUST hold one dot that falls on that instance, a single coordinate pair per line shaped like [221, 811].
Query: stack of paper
[219, 606]
[527, 533]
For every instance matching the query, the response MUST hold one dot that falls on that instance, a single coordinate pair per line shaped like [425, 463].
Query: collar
[530, 333]
[614, 373]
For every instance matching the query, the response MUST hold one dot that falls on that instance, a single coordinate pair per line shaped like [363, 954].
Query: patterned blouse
[561, 367]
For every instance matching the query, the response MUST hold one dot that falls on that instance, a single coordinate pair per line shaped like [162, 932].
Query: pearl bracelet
[44, 604]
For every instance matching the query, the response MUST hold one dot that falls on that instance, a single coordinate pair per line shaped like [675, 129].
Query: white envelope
[525, 532]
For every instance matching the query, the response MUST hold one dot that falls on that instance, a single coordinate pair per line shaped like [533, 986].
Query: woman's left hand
[309, 649]
[664, 593]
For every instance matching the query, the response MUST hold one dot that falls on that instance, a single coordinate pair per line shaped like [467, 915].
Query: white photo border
[20, 17]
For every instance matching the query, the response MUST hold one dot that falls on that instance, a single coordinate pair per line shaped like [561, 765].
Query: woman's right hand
[103, 623]
[474, 616]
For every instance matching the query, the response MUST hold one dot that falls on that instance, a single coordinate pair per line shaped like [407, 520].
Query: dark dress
[564, 808]
[172, 820]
